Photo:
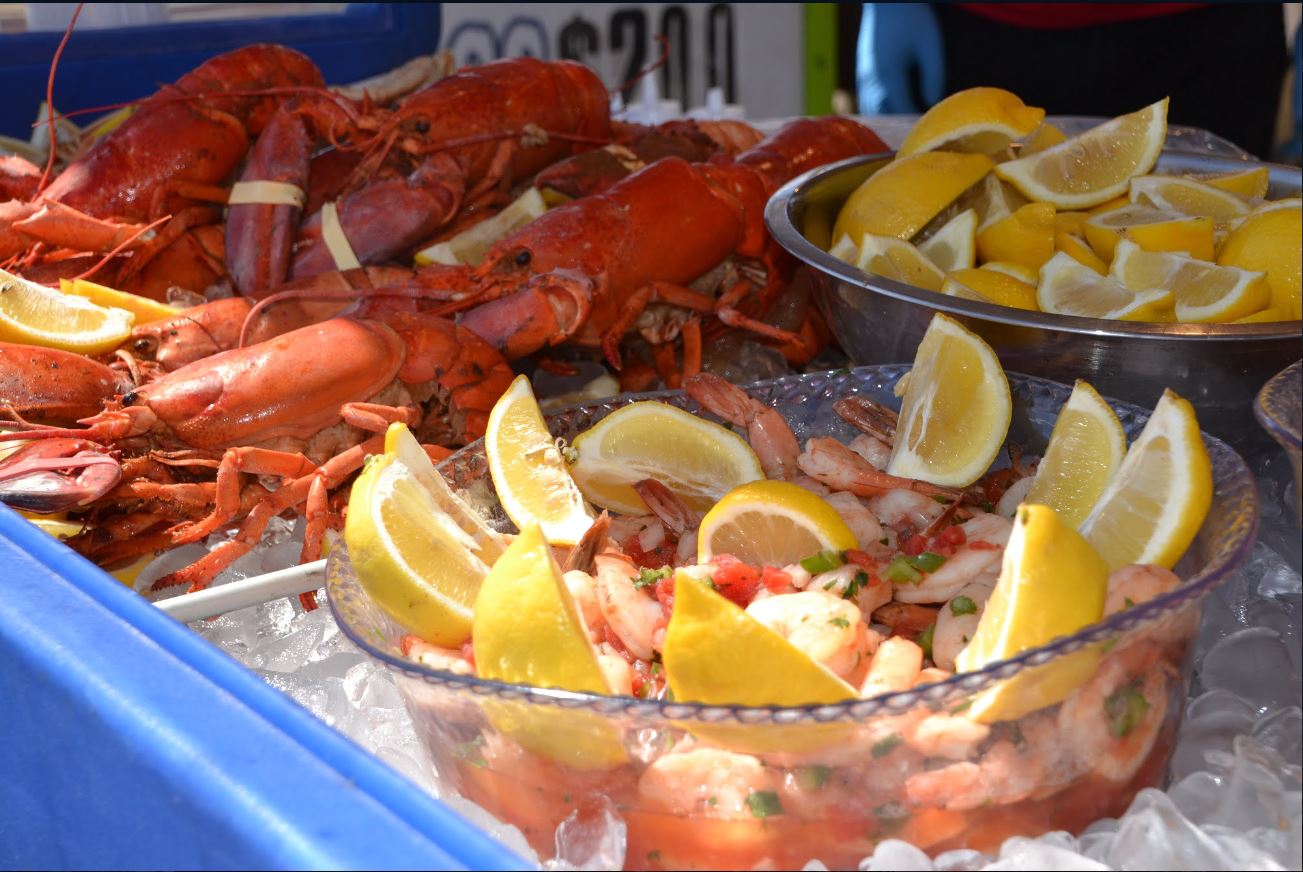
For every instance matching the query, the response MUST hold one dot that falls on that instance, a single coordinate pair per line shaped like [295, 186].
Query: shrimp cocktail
[759, 645]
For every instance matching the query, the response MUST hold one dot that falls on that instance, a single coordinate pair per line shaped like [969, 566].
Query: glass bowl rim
[959, 685]
[778, 220]
[1271, 404]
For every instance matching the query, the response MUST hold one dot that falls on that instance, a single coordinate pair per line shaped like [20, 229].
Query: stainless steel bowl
[1218, 367]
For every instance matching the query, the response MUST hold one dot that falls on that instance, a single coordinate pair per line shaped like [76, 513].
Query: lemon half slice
[1052, 583]
[1187, 196]
[698, 460]
[896, 259]
[1205, 293]
[982, 120]
[1157, 501]
[1085, 450]
[1267, 240]
[956, 410]
[529, 473]
[1069, 288]
[1095, 166]
[772, 523]
[35, 315]
[954, 246]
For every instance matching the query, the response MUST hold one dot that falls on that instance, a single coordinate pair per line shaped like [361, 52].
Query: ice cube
[1048, 852]
[1155, 835]
[591, 838]
[962, 859]
[1255, 664]
[899, 855]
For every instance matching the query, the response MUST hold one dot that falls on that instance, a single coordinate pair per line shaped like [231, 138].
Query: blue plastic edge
[101, 67]
[132, 742]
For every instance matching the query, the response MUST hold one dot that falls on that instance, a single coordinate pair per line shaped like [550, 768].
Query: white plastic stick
[248, 592]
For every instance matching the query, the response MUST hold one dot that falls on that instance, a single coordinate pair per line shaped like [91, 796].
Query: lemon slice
[772, 523]
[954, 246]
[896, 259]
[1026, 236]
[1043, 137]
[1079, 250]
[1052, 583]
[845, 249]
[529, 473]
[956, 408]
[1158, 499]
[1205, 293]
[698, 460]
[528, 630]
[982, 120]
[1021, 272]
[1086, 448]
[1188, 197]
[1152, 229]
[470, 245]
[412, 557]
[990, 286]
[902, 197]
[1094, 166]
[145, 309]
[1249, 184]
[1271, 314]
[1070, 288]
[34, 315]
[1268, 241]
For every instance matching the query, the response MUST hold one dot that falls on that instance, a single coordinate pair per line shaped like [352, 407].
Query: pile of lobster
[295, 211]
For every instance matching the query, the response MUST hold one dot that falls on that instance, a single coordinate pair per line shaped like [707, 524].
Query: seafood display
[852, 597]
[294, 212]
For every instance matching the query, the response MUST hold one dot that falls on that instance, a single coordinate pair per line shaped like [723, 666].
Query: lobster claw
[54, 475]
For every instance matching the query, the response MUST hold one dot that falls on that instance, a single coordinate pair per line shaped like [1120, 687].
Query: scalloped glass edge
[1278, 409]
[1234, 493]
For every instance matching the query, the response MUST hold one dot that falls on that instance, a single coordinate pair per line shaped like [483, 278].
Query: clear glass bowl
[826, 782]
[1279, 407]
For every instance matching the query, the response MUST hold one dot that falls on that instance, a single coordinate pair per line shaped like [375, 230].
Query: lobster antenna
[49, 98]
[650, 68]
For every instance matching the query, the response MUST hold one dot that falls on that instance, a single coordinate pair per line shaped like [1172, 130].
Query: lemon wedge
[845, 249]
[1250, 184]
[954, 246]
[896, 259]
[1188, 197]
[529, 473]
[981, 120]
[35, 315]
[470, 246]
[1155, 504]
[1026, 236]
[1152, 229]
[772, 523]
[1052, 583]
[412, 556]
[956, 408]
[528, 630]
[1043, 137]
[1021, 272]
[902, 197]
[1267, 240]
[1095, 166]
[990, 286]
[145, 309]
[1079, 250]
[698, 460]
[1205, 293]
[1086, 448]
[1070, 288]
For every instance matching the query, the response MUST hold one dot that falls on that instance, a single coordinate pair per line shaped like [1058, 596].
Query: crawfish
[299, 407]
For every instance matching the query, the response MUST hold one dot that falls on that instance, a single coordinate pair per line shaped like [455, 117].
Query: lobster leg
[653, 292]
[62, 226]
[254, 461]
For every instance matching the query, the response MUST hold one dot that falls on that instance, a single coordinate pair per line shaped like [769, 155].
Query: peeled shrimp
[828, 628]
[1003, 775]
[443, 659]
[875, 451]
[862, 522]
[767, 430]
[964, 566]
[616, 670]
[893, 668]
[868, 596]
[896, 507]
[1137, 583]
[842, 469]
[949, 736]
[635, 615]
[706, 782]
[583, 590]
[953, 631]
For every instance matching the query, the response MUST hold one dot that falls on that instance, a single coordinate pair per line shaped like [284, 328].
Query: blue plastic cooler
[130, 742]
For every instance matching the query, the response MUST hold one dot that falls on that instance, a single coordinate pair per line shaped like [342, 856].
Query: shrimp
[594, 539]
[905, 617]
[875, 451]
[973, 560]
[442, 659]
[635, 616]
[674, 515]
[893, 667]
[868, 593]
[583, 590]
[767, 430]
[956, 628]
[616, 670]
[948, 736]
[840, 468]
[1112, 722]
[1135, 584]
[870, 417]
[706, 782]
[906, 507]
[862, 522]
[1003, 775]
[826, 627]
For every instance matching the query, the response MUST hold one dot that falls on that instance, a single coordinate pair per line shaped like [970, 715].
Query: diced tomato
[661, 555]
[951, 536]
[775, 580]
[734, 579]
[859, 558]
[914, 545]
[665, 594]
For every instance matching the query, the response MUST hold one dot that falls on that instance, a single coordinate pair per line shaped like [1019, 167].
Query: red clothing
[1070, 16]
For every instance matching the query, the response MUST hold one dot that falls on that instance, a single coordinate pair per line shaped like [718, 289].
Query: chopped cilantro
[884, 746]
[1128, 602]
[1126, 709]
[942, 500]
[824, 561]
[1107, 646]
[962, 707]
[925, 639]
[962, 605]
[764, 803]
[470, 752]
[812, 777]
[899, 571]
[858, 583]
[840, 622]
[928, 561]
[649, 577]
[713, 801]
[884, 541]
